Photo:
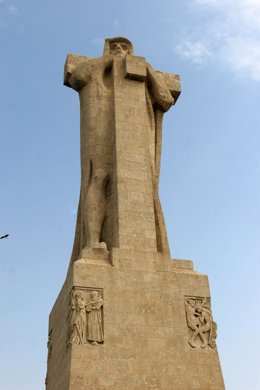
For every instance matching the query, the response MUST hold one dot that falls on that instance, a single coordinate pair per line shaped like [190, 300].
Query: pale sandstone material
[122, 101]
[85, 322]
[128, 317]
[200, 321]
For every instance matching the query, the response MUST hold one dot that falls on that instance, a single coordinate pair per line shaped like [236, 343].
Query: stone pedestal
[144, 321]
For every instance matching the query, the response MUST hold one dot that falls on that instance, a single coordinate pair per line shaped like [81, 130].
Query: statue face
[94, 295]
[80, 300]
[192, 302]
[119, 49]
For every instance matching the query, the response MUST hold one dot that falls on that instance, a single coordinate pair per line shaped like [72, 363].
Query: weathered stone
[127, 317]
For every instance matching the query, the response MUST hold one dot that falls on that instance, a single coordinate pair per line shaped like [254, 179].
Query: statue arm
[160, 93]
[79, 77]
[108, 61]
[75, 71]
[88, 307]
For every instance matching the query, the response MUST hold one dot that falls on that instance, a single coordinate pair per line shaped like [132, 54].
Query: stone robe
[93, 79]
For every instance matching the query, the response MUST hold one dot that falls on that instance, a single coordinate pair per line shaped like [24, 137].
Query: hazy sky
[210, 164]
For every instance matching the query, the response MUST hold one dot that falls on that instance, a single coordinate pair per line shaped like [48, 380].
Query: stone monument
[128, 316]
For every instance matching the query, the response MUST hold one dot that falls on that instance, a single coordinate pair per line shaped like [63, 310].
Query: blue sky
[209, 184]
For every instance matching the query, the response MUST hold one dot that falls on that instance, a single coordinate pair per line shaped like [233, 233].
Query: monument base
[148, 341]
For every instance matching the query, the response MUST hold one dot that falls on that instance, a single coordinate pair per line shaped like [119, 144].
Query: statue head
[78, 293]
[93, 295]
[79, 296]
[191, 302]
[118, 46]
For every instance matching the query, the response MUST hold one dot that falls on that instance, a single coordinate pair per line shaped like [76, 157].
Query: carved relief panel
[203, 329]
[85, 320]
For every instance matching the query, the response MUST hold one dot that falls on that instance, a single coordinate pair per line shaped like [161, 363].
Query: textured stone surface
[128, 317]
[146, 337]
[122, 102]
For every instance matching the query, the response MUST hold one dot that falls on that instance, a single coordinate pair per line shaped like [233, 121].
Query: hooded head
[118, 46]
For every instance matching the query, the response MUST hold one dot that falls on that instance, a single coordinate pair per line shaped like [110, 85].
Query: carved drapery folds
[110, 104]
[86, 316]
[200, 322]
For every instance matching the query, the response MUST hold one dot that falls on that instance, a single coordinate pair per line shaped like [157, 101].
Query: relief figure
[95, 329]
[78, 325]
[200, 321]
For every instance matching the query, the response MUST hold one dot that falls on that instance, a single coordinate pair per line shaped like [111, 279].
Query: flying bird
[5, 236]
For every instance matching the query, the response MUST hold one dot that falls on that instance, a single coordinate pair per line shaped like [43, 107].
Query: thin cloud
[243, 56]
[8, 7]
[12, 9]
[8, 11]
[117, 25]
[232, 31]
[196, 51]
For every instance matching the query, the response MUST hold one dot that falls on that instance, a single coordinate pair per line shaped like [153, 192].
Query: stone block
[135, 68]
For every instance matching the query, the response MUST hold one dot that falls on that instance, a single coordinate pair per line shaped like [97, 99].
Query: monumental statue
[128, 317]
[93, 80]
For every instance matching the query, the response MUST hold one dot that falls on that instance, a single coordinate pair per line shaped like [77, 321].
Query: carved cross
[135, 68]
[123, 100]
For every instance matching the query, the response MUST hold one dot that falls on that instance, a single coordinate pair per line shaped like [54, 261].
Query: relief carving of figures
[200, 321]
[95, 331]
[78, 318]
[85, 323]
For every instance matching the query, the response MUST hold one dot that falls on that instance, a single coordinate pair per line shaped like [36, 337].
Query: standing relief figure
[200, 321]
[93, 79]
[78, 324]
[93, 307]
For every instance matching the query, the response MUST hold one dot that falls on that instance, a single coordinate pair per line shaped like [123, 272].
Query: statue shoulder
[77, 66]
[72, 61]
